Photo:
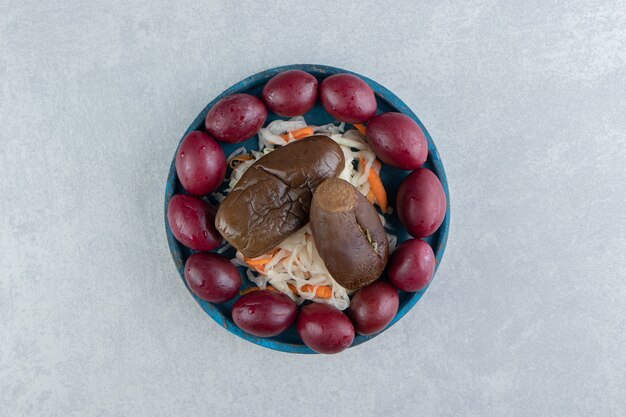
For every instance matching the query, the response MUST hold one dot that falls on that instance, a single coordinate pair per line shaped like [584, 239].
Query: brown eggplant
[273, 197]
[348, 234]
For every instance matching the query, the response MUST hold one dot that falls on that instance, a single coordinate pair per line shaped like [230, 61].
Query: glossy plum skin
[348, 98]
[193, 223]
[412, 265]
[200, 163]
[324, 328]
[264, 313]
[373, 307]
[212, 277]
[397, 140]
[421, 203]
[290, 93]
[235, 118]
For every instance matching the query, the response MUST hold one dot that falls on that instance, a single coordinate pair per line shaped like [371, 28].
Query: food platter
[289, 341]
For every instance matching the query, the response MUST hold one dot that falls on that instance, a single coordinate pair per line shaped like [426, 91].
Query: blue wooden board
[391, 177]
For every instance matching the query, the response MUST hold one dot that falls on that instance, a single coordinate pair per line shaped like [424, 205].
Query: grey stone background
[526, 102]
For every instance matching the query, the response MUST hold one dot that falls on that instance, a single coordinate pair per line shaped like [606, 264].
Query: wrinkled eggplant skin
[340, 219]
[273, 197]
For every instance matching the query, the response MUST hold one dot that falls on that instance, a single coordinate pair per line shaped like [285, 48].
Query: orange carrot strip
[258, 264]
[299, 133]
[323, 291]
[360, 127]
[376, 187]
[248, 290]
[370, 196]
[253, 289]
[239, 158]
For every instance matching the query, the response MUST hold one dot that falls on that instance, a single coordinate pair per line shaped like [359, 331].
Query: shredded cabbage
[224, 248]
[239, 151]
[279, 127]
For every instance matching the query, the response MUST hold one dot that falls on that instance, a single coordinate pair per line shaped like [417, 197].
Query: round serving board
[391, 177]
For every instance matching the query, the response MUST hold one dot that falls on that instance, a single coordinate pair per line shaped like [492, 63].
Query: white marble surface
[527, 316]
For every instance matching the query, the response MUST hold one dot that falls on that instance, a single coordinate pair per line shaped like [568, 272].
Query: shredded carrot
[299, 133]
[370, 196]
[376, 187]
[360, 127]
[258, 264]
[248, 290]
[323, 291]
[253, 289]
[239, 158]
